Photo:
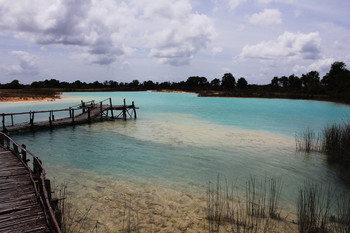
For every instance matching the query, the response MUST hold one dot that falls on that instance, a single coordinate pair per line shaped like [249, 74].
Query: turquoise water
[181, 141]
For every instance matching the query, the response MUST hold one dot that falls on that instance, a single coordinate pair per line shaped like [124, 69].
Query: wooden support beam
[110, 103]
[89, 117]
[2, 140]
[15, 149]
[124, 111]
[31, 118]
[133, 107]
[12, 119]
[101, 111]
[73, 116]
[3, 121]
[24, 154]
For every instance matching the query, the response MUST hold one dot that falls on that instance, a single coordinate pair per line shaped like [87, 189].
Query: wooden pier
[85, 112]
[25, 193]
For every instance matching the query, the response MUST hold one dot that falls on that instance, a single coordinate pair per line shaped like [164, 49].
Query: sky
[170, 40]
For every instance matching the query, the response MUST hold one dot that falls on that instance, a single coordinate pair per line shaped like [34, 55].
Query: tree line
[334, 85]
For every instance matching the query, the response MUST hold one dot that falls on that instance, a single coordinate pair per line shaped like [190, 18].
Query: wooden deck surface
[20, 210]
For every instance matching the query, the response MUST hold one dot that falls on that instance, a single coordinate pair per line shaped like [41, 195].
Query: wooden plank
[20, 210]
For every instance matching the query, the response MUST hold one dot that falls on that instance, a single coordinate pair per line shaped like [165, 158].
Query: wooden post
[83, 106]
[8, 146]
[3, 122]
[73, 116]
[24, 154]
[133, 107]
[89, 118]
[15, 149]
[70, 112]
[52, 116]
[50, 121]
[110, 103]
[2, 140]
[31, 118]
[48, 188]
[101, 111]
[124, 111]
[12, 119]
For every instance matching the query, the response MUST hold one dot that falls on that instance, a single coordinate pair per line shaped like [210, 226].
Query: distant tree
[310, 79]
[215, 83]
[275, 82]
[284, 82]
[149, 85]
[338, 78]
[196, 82]
[13, 85]
[134, 84]
[228, 81]
[294, 81]
[242, 83]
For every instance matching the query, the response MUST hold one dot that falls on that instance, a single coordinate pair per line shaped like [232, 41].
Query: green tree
[215, 83]
[294, 81]
[338, 78]
[228, 81]
[242, 83]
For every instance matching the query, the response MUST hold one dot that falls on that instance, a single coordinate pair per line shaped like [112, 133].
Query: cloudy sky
[170, 40]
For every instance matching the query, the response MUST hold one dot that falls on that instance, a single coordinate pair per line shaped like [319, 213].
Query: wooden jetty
[85, 112]
[25, 193]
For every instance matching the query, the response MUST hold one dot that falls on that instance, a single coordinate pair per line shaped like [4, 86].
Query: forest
[333, 86]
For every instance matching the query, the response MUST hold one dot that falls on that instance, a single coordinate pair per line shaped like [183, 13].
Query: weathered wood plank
[20, 210]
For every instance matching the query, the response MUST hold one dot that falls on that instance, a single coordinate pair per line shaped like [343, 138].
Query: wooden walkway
[25, 203]
[20, 210]
[86, 112]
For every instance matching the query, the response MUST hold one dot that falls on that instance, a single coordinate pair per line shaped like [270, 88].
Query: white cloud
[216, 50]
[27, 64]
[322, 65]
[175, 37]
[107, 31]
[268, 16]
[235, 3]
[288, 46]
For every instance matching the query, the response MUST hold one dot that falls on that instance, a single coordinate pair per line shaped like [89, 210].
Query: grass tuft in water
[226, 213]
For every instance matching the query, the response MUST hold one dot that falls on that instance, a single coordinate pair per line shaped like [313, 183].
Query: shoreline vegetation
[334, 87]
[333, 142]
[15, 95]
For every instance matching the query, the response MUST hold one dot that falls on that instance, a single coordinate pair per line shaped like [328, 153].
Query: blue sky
[170, 40]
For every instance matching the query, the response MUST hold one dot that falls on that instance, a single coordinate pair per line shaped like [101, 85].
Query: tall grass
[343, 213]
[308, 141]
[225, 211]
[313, 209]
[336, 143]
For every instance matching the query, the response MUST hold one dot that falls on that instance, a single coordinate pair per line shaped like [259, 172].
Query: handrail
[42, 178]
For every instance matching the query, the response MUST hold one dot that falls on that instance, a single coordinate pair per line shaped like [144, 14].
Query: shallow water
[164, 160]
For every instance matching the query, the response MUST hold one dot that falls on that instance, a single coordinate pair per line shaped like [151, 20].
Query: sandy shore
[23, 99]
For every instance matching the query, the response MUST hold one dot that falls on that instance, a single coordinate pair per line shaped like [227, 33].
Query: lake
[160, 164]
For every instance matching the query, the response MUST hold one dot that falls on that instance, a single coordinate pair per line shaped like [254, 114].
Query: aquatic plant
[313, 208]
[336, 143]
[225, 211]
[308, 141]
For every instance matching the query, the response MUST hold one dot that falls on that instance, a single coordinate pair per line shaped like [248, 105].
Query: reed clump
[313, 209]
[258, 212]
[336, 143]
[321, 211]
[308, 141]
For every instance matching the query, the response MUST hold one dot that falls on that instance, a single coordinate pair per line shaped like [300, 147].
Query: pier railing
[37, 175]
